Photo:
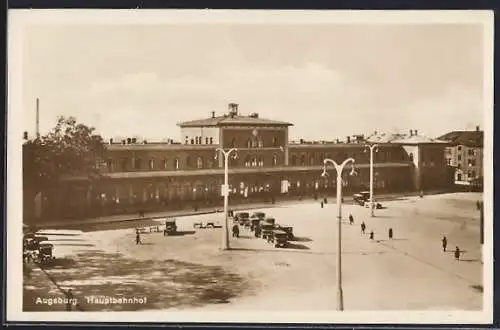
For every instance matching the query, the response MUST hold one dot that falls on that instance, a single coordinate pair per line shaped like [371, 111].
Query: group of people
[372, 234]
[456, 253]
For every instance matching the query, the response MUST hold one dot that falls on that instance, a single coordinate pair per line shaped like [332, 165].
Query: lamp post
[225, 231]
[339, 169]
[373, 148]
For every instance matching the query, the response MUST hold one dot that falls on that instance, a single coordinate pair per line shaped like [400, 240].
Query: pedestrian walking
[351, 219]
[391, 233]
[457, 253]
[444, 241]
[137, 238]
[372, 235]
[363, 228]
[478, 205]
[322, 204]
[236, 231]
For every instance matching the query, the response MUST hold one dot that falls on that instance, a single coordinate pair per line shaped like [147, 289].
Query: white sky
[329, 80]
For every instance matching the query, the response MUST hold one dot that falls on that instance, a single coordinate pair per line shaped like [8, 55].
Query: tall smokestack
[37, 117]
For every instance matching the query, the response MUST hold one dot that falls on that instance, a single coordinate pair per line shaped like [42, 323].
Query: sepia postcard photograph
[250, 166]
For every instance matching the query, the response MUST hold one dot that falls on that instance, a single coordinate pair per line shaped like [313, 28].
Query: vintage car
[271, 221]
[258, 215]
[286, 229]
[45, 252]
[267, 230]
[170, 227]
[280, 238]
[361, 198]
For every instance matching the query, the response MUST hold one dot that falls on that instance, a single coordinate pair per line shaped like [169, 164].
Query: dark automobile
[288, 230]
[270, 220]
[280, 238]
[170, 227]
[267, 230]
[258, 215]
[45, 251]
[361, 198]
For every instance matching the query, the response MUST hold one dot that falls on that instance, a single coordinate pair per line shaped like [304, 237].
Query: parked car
[170, 227]
[280, 239]
[258, 215]
[361, 198]
[45, 251]
[287, 229]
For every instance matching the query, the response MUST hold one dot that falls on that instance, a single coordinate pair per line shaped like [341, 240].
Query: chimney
[416, 132]
[233, 109]
[129, 140]
[477, 128]
[213, 114]
[110, 141]
[301, 141]
[134, 140]
[411, 132]
[348, 139]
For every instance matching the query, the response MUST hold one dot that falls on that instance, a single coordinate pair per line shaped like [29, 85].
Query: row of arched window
[254, 142]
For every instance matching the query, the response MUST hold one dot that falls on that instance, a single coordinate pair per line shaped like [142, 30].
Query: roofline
[234, 124]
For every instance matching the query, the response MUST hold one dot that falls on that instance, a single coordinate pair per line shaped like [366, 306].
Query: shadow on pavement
[75, 244]
[470, 260]
[294, 246]
[182, 233]
[301, 239]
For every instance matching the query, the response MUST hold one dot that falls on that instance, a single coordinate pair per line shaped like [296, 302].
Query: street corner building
[147, 176]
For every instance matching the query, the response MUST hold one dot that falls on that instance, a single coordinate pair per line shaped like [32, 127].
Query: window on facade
[254, 143]
[294, 160]
[124, 164]
[187, 139]
[261, 144]
[459, 157]
[247, 161]
[165, 163]
[199, 140]
[211, 140]
[192, 141]
[472, 162]
[254, 162]
[275, 141]
[448, 161]
[302, 160]
[459, 148]
[137, 163]
[459, 177]
[188, 161]
[473, 174]
[411, 156]
[459, 166]
[199, 162]
[471, 152]
[151, 164]
[261, 162]
[206, 140]
[311, 160]
[109, 164]
[275, 160]
[176, 164]
[249, 143]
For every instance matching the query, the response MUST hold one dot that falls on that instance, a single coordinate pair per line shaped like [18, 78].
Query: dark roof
[236, 120]
[466, 138]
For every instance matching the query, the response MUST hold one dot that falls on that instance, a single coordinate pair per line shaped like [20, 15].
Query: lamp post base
[340, 300]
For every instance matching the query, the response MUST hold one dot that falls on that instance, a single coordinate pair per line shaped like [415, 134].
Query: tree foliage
[70, 148]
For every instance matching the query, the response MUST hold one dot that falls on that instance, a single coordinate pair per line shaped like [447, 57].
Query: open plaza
[100, 262]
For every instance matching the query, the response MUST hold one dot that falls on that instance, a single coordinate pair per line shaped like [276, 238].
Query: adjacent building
[465, 155]
[147, 175]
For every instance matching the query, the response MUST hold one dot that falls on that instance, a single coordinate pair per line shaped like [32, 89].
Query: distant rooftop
[233, 118]
[412, 138]
[473, 139]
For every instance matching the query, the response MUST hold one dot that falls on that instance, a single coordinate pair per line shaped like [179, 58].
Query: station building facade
[147, 176]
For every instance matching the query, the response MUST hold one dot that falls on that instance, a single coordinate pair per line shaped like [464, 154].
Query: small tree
[69, 148]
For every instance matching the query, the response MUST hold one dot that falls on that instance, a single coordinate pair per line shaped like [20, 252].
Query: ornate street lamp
[339, 169]
[373, 148]
[225, 231]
